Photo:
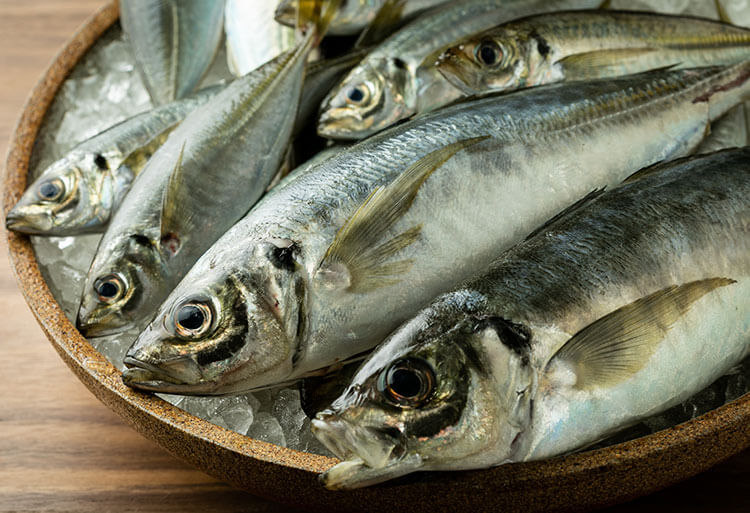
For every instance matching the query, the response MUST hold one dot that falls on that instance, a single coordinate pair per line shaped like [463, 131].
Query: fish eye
[193, 319]
[488, 53]
[101, 162]
[109, 288]
[408, 382]
[358, 95]
[50, 190]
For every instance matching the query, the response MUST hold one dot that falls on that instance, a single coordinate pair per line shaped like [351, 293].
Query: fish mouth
[96, 327]
[343, 123]
[173, 376]
[451, 65]
[38, 224]
[286, 14]
[375, 447]
[370, 456]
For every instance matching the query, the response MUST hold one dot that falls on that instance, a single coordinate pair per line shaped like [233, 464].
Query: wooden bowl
[571, 483]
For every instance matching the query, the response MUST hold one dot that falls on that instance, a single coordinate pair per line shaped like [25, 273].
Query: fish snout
[342, 123]
[21, 220]
[457, 69]
[98, 321]
[159, 376]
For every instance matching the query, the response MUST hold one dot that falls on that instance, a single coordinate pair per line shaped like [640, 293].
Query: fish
[625, 304]
[79, 192]
[730, 131]
[206, 176]
[355, 15]
[173, 42]
[339, 254]
[252, 35]
[397, 80]
[581, 45]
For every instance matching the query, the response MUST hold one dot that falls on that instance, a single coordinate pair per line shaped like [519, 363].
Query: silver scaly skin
[208, 174]
[79, 193]
[173, 41]
[354, 15]
[582, 45]
[628, 303]
[339, 254]
[398, 79]
[252, 35]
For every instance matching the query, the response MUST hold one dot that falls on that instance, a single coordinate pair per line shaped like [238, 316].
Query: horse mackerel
[307, 287]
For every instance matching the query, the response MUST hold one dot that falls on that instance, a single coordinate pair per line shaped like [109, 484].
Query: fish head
[490, 62]
[223, 329]
[69, 197]
[123, 284]
[441, 393]
[372, 97]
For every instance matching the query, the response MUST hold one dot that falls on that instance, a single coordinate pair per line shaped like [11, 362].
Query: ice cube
[265, 427]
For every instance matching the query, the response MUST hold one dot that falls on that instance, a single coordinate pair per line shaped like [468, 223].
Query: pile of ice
[105, 89]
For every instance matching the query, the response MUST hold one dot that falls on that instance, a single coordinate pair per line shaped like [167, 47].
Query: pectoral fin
[618, 345]
[358, 256]
[601, 63]
[175, 220]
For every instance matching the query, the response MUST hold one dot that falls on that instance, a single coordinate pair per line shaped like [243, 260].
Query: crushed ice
[104, 89]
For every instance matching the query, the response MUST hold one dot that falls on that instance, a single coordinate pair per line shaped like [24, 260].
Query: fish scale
[485, 197]
[620, 307]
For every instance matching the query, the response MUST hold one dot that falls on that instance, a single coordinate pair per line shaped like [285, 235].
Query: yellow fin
[386, 20]
[357, 258]
[603, 63]
[318, 14]
[723, 16]
[613, 348]
[174, 219]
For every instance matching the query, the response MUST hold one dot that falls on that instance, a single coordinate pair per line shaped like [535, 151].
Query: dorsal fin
[385, 21]
[358, 258]
[618, 345]
[723, 16]
[575, 206]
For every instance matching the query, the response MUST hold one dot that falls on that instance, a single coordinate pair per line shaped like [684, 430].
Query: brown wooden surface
[61, 450]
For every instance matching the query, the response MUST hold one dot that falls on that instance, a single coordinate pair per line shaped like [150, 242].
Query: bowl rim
[104, 380]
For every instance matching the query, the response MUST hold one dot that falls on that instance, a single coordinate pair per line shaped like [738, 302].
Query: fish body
[581, 45]
[398, 80]
[207, 175]
[79, 193]
[354, 15]
[173, 41]
[338, 255]
[252, 35]
[730, 131]
[624, 305]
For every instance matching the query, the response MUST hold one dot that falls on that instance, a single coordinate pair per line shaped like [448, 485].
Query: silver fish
[79, 193]
[398, 80]
[252, 36]
[355, 15]
[624, 305]
[207, 175]
[173, 41]
[336, 257]
[581, 45]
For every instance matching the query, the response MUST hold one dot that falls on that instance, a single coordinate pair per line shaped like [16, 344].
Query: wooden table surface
[62, 450]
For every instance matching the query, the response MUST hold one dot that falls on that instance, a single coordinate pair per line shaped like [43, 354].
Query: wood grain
[61, 450]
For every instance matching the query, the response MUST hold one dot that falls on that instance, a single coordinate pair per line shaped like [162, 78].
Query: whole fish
[355, 15]
[394, 82]
[337, 256]
[581, 45]
[208, 174]
[624, 305]
[252, 35]
[79, 193]
[173, 41]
